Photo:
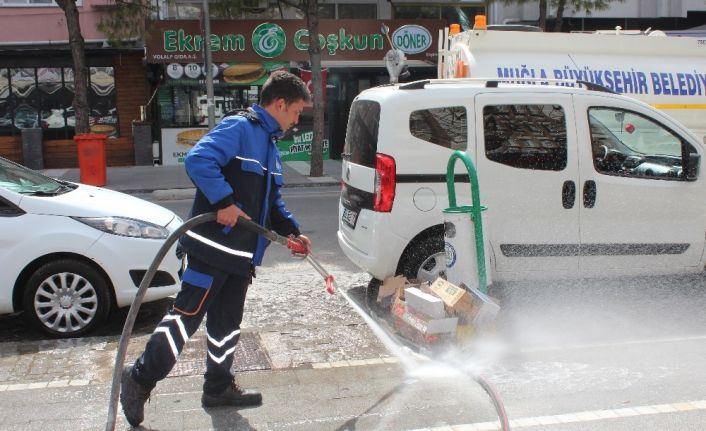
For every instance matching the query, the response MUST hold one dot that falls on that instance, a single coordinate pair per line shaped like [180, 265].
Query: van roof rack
[493, 83]
[596, 87]
[415, 85]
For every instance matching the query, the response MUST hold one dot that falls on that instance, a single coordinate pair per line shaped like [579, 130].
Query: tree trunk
[560, 5]
[317, 144]
[78, 54]
[543, 15]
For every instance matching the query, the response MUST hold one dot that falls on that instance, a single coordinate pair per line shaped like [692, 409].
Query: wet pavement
[613, 356]
[315, 360]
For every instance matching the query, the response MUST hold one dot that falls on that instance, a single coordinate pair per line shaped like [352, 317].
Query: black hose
[135, 307]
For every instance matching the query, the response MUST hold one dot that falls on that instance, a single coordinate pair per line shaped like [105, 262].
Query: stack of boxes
[437, 313]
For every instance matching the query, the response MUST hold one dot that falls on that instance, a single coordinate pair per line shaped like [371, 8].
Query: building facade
[37, 86]
[665, 15]
[160, 82]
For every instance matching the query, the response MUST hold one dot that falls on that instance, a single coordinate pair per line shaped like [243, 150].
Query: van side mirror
[691, 170]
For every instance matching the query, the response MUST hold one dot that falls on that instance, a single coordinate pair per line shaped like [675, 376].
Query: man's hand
[300, 246]
[306, 241]
[228, 216]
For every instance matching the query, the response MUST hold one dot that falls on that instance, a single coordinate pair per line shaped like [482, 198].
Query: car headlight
[125, 227]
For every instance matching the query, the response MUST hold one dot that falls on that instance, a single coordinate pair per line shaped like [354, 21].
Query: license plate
[349, 217]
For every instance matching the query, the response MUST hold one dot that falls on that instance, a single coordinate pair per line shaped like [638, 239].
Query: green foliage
[588, 5]
[124, 21]
[231, 9]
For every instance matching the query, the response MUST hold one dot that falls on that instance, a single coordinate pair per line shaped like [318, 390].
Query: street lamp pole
[208, 65]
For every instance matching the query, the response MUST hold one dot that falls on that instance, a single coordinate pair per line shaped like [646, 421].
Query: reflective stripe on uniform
[224, 340]
[164, 330]
[222, 358]
[218, 246]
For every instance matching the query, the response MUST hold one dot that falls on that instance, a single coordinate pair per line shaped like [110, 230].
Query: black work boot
[133, 397]
[233, 395]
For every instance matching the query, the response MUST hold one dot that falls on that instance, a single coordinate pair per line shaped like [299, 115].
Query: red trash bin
[91, 158]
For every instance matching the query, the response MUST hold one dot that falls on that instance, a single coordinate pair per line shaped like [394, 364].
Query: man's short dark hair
[284, 85]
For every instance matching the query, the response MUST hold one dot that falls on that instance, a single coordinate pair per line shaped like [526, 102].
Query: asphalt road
[621, 354]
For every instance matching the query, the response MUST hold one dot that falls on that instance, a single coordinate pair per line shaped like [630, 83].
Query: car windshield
[20, 179]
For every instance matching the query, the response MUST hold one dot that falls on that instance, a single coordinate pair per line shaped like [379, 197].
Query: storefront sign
[225, 74]
[298, 148]
[307, 77]
[176, 142]
[412, 39]
[181, 41]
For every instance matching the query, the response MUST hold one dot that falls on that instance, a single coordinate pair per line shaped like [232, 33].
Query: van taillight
[385, 182]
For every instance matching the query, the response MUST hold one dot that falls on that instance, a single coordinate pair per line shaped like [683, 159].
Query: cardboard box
[407, 331]
[425, 303]
[465, 333]
[469, 304]
[425, 326]
[424, 286]
[391, 288]
[453, 296]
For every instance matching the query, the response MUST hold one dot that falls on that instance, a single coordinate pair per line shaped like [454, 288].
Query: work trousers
[205, 291]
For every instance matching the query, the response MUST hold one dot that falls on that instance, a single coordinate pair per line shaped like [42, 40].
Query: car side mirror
[691, 170]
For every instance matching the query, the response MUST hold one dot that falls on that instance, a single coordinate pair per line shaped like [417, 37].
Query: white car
[71, 252]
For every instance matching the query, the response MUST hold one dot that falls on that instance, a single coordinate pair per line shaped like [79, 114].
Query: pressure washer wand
[293, 244]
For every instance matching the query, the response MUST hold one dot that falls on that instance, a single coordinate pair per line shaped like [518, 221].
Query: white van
[668, 73]
[577, 181]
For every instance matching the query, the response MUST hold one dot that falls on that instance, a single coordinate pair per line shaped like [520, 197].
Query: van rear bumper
[380, 266]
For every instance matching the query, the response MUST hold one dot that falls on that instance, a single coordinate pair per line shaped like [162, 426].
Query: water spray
[409, 359]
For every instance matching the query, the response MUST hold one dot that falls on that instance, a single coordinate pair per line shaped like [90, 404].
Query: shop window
[42, 97]
[186, 106]
[357, 11]
[446, 127]
[526, 136]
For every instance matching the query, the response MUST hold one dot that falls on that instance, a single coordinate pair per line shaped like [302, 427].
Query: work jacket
[237, 162]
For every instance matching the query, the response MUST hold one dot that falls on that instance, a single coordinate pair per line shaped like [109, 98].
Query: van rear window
[362, 133]
[445, 127]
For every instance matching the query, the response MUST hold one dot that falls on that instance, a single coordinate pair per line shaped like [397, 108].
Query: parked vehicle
[577, 182]
[72, 252]
[669, 73]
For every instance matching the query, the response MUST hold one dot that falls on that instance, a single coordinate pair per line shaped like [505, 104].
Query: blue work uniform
[238, 163]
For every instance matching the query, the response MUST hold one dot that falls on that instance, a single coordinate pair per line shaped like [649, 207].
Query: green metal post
[474, 210]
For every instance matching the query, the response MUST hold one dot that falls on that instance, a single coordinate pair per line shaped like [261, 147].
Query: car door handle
[589, 194]
[568, 194]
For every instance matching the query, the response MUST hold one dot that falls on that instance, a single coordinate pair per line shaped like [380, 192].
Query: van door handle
[568, 194]
[589, 194]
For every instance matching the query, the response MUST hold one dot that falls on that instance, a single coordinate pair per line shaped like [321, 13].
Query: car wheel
[424, 260]
[66, 298]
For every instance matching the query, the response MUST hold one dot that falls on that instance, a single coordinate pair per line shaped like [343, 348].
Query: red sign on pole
[306, 76]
